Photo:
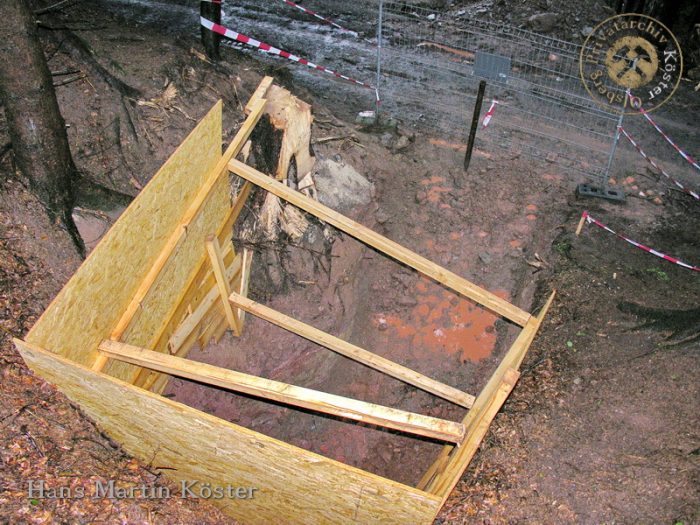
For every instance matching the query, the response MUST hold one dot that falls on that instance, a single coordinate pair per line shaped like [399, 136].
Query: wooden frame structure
[151, 289]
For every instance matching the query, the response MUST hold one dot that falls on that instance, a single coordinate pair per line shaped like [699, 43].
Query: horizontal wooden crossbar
[353, 352]
[395, 419]
[384, 245]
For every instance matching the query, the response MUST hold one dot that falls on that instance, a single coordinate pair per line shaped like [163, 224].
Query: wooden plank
[245, 280]
[294, 486]
[189, 324]
[353, 352]
[217, 264]
[193, 290]
[204, 311]
[381, 243]
[88, 308]
[288, 394]
[259, 93]
[461, 457]
[180, 231]
[512, 360]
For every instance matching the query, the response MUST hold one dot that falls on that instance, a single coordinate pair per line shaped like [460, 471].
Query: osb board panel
[181, 267]
[293, 116]
[294, 485]
[89, 306]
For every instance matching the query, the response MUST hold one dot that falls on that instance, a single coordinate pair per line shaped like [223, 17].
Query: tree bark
[36, 128]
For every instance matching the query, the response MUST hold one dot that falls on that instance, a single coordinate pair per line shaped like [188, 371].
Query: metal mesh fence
[431, 66]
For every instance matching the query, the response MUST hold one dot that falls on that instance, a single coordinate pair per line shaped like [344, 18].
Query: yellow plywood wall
[294, 486]
[184, 263]
[89, 306]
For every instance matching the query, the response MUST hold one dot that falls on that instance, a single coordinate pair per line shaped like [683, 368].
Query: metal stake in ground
[475, 124]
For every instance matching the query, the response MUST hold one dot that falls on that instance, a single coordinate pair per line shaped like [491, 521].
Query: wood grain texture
[384, 245]
[87, 309]
[294, 486]
[315, 400]
[354, 352]
[293, 116]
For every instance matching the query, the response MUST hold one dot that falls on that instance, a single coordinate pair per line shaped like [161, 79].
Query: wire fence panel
[432, 63]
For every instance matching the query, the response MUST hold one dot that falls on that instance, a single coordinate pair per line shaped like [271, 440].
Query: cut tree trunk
[36, 128]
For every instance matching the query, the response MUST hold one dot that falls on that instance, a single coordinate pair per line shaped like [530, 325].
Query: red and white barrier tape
[233, 35]
[321, 18]
[655, 165]
[591, 220]
[682, 153]
[489, 113]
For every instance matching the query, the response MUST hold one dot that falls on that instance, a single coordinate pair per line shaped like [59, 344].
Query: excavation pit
[126, 324]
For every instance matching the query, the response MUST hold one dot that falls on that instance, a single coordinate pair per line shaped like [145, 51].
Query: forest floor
[604, 424]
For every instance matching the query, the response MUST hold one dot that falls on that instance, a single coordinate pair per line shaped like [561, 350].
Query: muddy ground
[603, 425]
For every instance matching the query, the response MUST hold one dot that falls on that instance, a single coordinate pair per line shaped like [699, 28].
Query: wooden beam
[170, 247]
[381, 243]
[460, 459]
[288, 394]
[190, 323]
[259, 93]
[217, 264]
[511, 361]
[353, 352]
[245, 281]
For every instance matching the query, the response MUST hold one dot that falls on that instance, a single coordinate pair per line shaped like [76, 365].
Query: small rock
[382, 325]
[587, 30]
[421, 196]
[543, 22]
[694, 73]
[432, 17]
[629, 180]
[657, 201]
[381, 216]
[401, 144]
[405, 279]
[406, 301]
[577, 381]
[642, 194]
[485, 258]
[387, 139]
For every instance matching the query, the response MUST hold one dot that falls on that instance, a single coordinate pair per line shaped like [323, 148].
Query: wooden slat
[512, 360]
[293, 486]
[180, 231]
[381, 243]
[217, 264]
[245, 281]
[288, 394]
[461, 457]
[353, 352]
[189, 324]
[259, 93]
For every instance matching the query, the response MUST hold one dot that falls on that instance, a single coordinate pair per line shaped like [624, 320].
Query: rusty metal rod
[475, 124]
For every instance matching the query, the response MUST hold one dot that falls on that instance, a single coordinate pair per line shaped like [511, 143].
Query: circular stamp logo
[633, 54]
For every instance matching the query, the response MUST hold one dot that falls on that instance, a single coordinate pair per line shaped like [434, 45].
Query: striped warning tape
[489, 113]
[590, 220]
[655, 165]
[321, 18]
[682, 153]
[233, 35]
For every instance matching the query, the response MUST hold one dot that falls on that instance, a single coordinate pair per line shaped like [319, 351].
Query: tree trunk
[36, 128]
[211, 10]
